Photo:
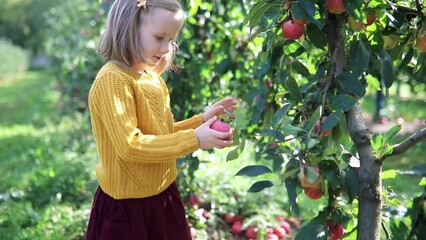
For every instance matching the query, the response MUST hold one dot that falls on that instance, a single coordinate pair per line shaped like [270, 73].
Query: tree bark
[369, 178]
[369, 174]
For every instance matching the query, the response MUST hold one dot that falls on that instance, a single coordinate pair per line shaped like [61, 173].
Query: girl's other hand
[219, 108]
[209, 138]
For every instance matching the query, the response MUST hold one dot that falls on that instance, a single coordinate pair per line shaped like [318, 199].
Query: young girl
[138, 142]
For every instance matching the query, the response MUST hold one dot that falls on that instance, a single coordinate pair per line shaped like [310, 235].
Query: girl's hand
[209, 138]
[219, 108]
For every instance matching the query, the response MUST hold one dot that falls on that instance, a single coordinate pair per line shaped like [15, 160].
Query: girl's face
[158, 33]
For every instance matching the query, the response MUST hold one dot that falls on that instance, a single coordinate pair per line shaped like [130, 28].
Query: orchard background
[329, 135]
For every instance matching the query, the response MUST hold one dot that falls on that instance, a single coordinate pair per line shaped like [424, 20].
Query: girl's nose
[165, 48]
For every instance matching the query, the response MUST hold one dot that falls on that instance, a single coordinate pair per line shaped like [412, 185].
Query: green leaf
[292, 130]
[391, 133]
[353, 8]
[275, 134]
[316, 36]
[332, 120]
[387, 69]
[359, 57]
[377, 141]
[223, 66]
[350, 83]
[398, 229]
[290, 185]
[289, 173]
[330, 170]
[389, 174]
[253, 170]
[259, 186]
[343, 102]
[407, 58]
[300, 68]
[310, 11]
[387, 150]
[311, 122]
[256, 13]
[311, 174]
[422, 182]
[351, 184]
[278, 117]
[313, 231]
[235, 153]
[293, 89]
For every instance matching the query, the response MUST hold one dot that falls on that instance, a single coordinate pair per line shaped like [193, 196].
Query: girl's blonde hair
[121, 39]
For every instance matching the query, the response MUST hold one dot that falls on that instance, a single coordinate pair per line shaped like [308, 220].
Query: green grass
[28, 100]
[27, 105]
[46, 162]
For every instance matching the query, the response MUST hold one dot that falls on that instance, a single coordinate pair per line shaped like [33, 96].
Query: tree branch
[407, 143]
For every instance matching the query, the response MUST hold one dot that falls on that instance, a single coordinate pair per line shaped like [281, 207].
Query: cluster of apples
[252, 232]
[389, 41]
[310, 179]
[294, 28]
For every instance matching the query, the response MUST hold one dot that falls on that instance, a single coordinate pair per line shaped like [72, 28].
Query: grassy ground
[45, 182]
[27, 105]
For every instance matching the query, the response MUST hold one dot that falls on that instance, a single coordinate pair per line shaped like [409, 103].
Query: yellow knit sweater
[137, 139]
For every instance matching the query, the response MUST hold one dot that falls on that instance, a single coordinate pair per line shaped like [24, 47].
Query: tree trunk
[369, 178]
[369, 174]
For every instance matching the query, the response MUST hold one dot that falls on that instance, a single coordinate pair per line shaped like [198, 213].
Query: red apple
[222, 126]
[229, 218]
[280, 232]
[286, 226]
[237, 228]
[251, 232]
[318, 128]
[335, 231]
[301, 21]
[421, 43]
[313, 193]
[291, 30]
[272, 236]
[335, 6]
[371, 18]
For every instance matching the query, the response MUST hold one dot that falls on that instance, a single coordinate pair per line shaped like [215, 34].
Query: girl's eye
[159, 38]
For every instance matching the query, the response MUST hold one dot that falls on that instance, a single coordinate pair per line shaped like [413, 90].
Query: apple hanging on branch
[310, 180]
[421, 42]
[335, 6]
[335, 231]
[292, 30]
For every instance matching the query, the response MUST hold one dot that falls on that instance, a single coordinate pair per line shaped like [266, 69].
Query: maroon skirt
[160, 217]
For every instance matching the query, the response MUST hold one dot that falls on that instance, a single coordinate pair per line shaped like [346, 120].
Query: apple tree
[317, 60]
